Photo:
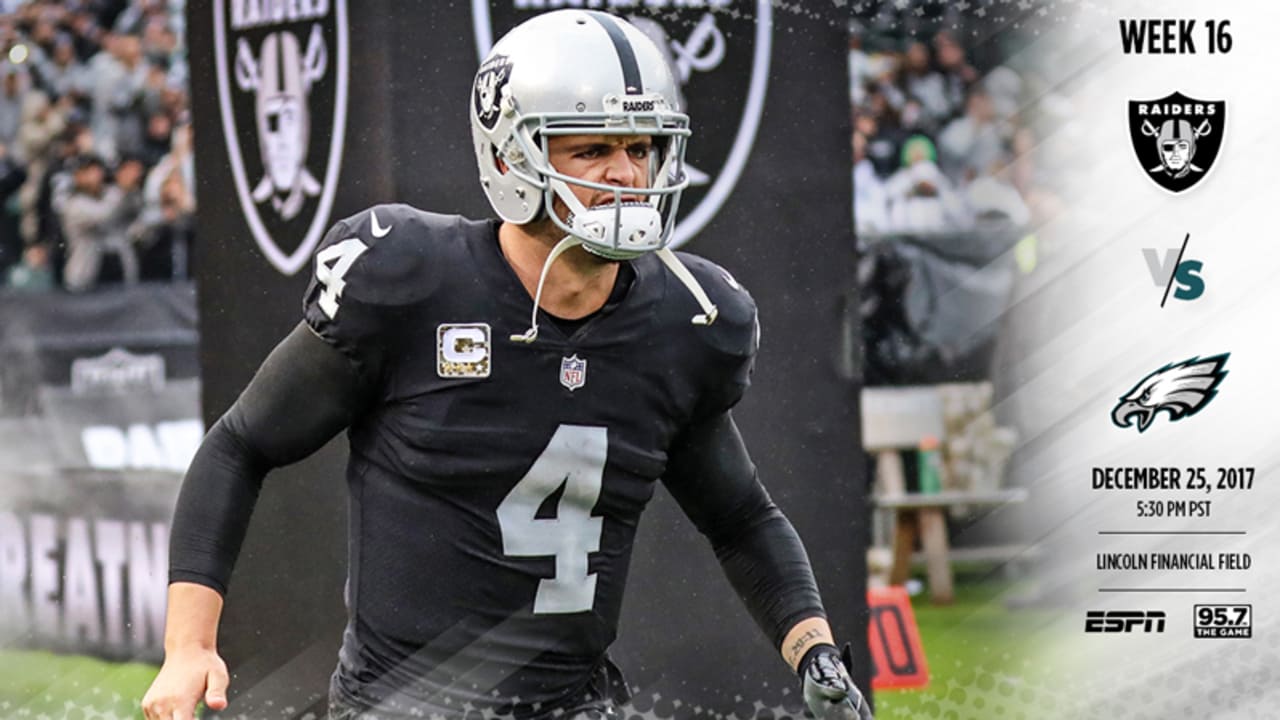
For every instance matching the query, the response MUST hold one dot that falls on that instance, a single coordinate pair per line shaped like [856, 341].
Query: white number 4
[332, 263]
[574, 460]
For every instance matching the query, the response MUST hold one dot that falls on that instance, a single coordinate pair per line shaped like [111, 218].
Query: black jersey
[496, 486]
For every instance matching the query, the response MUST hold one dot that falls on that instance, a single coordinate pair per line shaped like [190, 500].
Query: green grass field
[981, 657]
[40, 684]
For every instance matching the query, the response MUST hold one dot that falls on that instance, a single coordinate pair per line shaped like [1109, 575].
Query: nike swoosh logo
[378, 230]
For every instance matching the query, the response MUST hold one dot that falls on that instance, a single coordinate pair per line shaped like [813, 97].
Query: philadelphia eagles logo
[1182, 389]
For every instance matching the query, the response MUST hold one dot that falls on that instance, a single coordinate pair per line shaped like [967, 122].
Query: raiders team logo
[720, 60]
[1177, 138]
[490, 81]
[282, 91]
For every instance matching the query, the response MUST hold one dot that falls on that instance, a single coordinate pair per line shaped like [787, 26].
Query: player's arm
[713, 479]
[305, 393]
[803, 637]
[192, 668]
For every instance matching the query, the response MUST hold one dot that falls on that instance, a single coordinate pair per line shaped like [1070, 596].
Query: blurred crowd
[96, 169]
[939, 145]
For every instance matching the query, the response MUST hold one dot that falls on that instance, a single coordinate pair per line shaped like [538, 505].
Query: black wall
[785, 233]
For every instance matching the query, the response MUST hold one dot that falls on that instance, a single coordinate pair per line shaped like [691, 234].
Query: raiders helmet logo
[282, 92]
[720, 61]
[1177, 138]
[490, 80]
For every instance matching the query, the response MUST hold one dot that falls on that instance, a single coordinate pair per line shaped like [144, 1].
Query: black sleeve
[712, 477]
[306, 392]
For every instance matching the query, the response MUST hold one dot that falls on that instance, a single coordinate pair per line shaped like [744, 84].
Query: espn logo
[1123, 621]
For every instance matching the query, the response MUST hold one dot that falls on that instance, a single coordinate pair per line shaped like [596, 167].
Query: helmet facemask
[625, 228]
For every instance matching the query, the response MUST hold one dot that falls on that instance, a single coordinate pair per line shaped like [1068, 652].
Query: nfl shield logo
[573, 372]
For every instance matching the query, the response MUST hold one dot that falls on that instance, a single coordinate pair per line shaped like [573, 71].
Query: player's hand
[186, 678]
[829, 692]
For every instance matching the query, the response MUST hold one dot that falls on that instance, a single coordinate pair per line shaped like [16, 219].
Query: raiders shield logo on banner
[1177, 138]
[282, 90]
[720, 61]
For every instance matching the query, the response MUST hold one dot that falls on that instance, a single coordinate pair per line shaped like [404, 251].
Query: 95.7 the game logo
[1223, 621]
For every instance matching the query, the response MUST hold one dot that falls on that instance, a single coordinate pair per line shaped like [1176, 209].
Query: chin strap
[677, 268]
[668, 258]
[531, 334]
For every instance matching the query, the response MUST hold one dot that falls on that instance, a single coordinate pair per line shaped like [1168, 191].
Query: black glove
[829, 692]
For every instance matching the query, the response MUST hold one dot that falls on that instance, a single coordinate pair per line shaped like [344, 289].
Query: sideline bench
[924, 516]
[895, 419]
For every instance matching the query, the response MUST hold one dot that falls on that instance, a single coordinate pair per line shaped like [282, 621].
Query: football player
[497, 473]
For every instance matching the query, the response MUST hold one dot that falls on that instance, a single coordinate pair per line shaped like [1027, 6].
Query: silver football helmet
[574, 72]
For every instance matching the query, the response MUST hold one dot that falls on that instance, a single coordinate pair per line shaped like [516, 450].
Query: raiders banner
[282, 89]
[99, 417]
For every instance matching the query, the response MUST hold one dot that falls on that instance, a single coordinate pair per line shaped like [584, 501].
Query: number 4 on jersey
[332, 263]
[574, 460]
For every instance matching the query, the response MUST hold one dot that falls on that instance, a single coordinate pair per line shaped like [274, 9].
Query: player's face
[1176, 153]
[617, 160]
[284, 121]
